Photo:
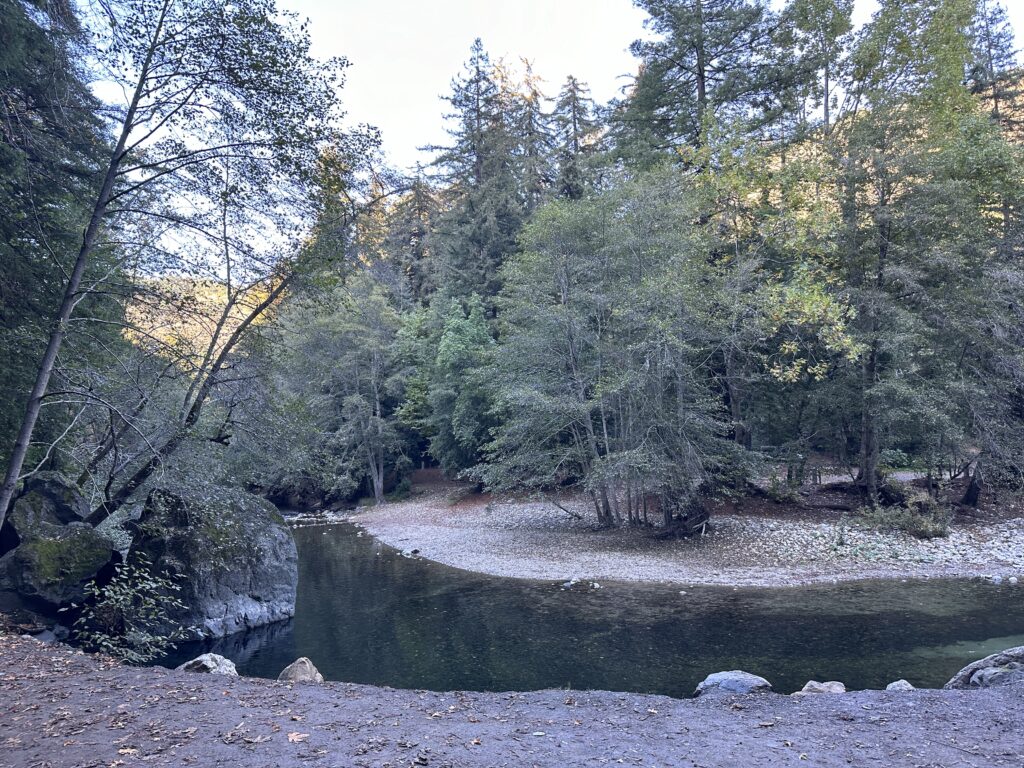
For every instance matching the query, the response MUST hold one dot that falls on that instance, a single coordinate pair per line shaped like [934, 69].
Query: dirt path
[62, 709]
[760, 544]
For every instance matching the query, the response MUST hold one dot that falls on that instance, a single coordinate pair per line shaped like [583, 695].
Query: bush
[894, 458]
[128, 617]
[922, 518]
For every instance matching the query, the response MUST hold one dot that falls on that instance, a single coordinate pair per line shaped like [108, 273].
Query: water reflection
[367, 614]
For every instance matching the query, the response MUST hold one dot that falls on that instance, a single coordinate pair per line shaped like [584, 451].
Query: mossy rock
[55, 563]
[48, 498]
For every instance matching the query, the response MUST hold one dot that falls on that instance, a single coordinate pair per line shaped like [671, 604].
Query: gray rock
[46, 637]
[54, 562]
[832, 686]
[231, 552]
[52, 553]
[900, 685]
[50, 497]
[993, 676]
[998, 669]
[301, 670]
[735, 681]
[211, 664]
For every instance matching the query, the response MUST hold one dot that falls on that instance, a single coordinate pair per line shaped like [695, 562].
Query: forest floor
[60, 708]
[752, 542]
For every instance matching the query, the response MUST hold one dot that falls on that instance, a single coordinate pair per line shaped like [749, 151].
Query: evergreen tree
[576, 131]
[993, 70]
[486, 208]
[712, 61]
[459, 397]
[408, 239]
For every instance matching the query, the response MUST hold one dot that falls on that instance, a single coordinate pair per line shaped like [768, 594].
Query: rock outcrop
[210, 664]
[302, 670]
[735, 681]
[231, 552]
[1000, 668]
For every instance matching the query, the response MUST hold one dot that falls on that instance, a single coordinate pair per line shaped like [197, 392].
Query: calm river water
[366, 614]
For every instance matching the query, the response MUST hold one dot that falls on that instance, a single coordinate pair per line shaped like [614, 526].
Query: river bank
[753, 545]
[65, 709]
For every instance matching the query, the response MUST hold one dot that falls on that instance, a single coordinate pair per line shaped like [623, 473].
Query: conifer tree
[575, 128]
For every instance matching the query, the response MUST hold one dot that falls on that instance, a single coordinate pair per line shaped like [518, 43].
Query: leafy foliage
[128, 616]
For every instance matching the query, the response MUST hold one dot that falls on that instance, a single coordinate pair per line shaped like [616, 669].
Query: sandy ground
[62, 709]
[769, 546]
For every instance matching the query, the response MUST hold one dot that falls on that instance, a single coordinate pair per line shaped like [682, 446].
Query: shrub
[894, 458]
[923, 518]
[128, 616]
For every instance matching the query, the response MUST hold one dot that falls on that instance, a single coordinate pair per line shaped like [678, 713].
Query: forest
[788, 245]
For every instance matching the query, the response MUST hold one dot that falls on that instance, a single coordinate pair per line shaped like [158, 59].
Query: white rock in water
[1013, 580]
[210, 663]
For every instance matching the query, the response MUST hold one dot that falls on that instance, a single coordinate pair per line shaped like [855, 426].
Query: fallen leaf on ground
[294, 737]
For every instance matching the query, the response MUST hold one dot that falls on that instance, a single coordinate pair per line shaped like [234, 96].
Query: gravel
[62, 709]
[539, 540]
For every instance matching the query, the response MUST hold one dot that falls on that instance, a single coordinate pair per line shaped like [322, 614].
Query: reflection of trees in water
[390, 620]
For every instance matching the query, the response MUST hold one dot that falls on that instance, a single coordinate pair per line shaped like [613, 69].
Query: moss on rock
[55, 563]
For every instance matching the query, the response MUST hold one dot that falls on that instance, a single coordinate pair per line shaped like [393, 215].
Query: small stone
[210, 663]
[301, 670]
[899, 685]
[735, 681]
[832, 686]
[1012, 580]
[46, 637]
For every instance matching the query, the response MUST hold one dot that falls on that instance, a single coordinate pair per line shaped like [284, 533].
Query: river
[368, 614]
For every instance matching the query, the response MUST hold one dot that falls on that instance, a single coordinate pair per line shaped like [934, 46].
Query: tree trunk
[71, 290]
[869, 429]
[973, 493]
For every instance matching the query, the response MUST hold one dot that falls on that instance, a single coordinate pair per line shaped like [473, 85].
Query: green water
[367, 614]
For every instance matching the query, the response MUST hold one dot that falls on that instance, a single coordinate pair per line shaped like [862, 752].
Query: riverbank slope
[746, 544]
[61, 708]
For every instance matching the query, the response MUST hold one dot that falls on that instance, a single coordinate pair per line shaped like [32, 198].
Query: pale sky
[404, 53]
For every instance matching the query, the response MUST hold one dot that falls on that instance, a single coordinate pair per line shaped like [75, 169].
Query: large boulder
[735, 681]
[302, 670]
[51, 552]
[55, 562]
[48, 497]
[210, 664]
[1000, 668]
[230, 551]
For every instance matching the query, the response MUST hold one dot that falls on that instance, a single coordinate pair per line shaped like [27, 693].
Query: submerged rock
[831, 686]
[998, 669]
[211, 664]
[302, 670]
[900, 685]
[735, 681]
[230, 551]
